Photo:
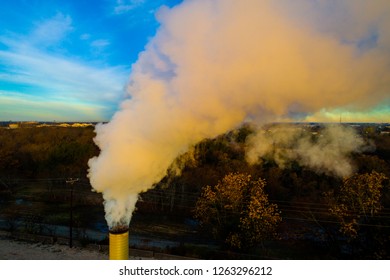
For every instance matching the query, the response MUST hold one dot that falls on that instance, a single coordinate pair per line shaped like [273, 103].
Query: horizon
[266, 123]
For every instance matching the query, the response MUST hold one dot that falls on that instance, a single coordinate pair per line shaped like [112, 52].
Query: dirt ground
[21, 250]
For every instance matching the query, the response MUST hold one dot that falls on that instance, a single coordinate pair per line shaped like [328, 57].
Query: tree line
[46, 152]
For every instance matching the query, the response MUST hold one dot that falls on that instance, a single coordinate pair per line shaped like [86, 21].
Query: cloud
[57, 77]
[140, 12]
[39, 65]
[101, 43]
[85, 36]
[124, 6]
[21, 107]
[51, 31]
[98, 46]
[53, 73]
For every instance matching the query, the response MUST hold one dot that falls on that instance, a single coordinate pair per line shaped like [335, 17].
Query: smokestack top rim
[118, 230]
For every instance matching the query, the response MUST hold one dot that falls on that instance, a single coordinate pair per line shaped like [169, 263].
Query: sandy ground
[16, 249]
[20, 250]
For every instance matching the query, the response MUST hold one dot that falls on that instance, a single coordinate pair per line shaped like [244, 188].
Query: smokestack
[119, 243]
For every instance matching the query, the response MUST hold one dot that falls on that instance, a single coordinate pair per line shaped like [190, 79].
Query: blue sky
[69, 60]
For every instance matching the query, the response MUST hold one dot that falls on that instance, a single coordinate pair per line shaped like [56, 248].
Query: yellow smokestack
[119, 245]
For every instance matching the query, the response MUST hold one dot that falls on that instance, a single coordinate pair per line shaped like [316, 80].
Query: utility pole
[71, 181]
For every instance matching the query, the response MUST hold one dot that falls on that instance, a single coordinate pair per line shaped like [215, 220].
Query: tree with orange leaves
[357, 201]
[237, 211]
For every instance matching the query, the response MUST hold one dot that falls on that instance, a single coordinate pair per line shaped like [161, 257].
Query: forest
[261, 210]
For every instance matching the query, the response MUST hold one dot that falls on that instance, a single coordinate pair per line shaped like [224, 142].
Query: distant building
[13, 125]
[81, 124]
[64, 125]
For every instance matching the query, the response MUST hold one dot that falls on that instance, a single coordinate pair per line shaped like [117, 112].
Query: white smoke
[326, 151]
[214, 64]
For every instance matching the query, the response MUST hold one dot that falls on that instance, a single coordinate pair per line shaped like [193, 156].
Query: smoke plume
[214, 64]
[326, 151]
